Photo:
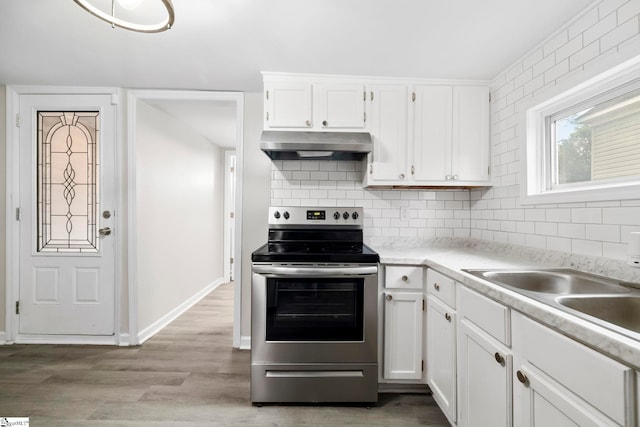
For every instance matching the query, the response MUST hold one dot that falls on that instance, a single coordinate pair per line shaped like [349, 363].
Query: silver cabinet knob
[325, 123]
[499, 358]
[389, 297]
[454, 177]
[436, 286]
[405, 278]
[308, 123]
[104, 231]
[401, 176]
[448, 177]
[447, 316]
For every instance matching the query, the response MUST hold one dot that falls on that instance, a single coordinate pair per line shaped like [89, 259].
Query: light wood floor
[186, 375]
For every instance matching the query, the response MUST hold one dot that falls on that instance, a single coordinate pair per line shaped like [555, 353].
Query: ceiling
[224, 44]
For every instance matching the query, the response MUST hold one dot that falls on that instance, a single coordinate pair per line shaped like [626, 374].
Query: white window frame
[536, 147]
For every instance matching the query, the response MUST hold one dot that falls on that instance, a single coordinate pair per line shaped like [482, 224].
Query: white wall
[179, 214]
[256, 170]
[608, 32]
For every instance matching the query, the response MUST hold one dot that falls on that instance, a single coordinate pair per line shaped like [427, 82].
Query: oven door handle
[315, 271]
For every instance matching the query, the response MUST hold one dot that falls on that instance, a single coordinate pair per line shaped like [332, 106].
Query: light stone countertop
[451, 256]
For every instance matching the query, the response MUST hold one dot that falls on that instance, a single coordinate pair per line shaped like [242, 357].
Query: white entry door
[67, 245]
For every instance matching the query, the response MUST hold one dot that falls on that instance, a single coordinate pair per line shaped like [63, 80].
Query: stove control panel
[314, 216]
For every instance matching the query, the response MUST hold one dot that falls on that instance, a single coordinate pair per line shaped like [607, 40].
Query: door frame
[13, 94]
[229, 195]
[133, 96]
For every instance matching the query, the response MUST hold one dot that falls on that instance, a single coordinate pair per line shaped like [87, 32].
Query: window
[584, 143]
[67, 181]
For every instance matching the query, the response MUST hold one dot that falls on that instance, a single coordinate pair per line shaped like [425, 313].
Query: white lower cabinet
[559, 381]
[484, 363]
[403, 305]
[403, 335]
[441, 355]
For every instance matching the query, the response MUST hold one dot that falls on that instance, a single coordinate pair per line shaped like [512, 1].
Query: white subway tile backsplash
[557, 71]
[584, 55]
[586, 215]
[620, 34]
[605, 233]
[628, 11]
[573, 46]
[545, 64]
[573, 231]
[622, 216]
[586, 21]
[602, 27]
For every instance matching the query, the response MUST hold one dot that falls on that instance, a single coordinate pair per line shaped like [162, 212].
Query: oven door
[314, 314]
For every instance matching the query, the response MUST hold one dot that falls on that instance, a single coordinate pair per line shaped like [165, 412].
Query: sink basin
[623, 311]
[555, 281]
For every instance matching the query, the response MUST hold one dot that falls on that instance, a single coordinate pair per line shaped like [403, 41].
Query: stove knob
[345, 215]
[276, 214]
[285, 215]
[354, 215]
[336, 215]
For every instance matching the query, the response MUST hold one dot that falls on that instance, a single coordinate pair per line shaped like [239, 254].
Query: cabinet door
[403, 335]
[485, 379]
[340, 106]
[441, 355]
[470, 141]
[387, 122]
[431, 160]
[288, 105]
[541, 402]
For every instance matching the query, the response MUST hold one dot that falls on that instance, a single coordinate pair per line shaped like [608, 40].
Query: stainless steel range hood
[288, 145]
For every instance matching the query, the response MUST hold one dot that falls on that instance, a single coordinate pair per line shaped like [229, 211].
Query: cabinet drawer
[599, 380]
[489, 315]
[442, 287]
[403, 276]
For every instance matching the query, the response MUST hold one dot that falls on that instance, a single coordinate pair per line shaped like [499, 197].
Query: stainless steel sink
[623, 311]
[600, 300]
[553, 281]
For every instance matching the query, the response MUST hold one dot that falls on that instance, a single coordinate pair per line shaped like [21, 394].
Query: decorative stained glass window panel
[67, 181]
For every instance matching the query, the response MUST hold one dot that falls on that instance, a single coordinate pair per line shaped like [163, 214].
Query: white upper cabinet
[470, 139]
[451, 135]
[340, 106]
[432, 130]
[303, 103]
[387, 110]
[288, 104]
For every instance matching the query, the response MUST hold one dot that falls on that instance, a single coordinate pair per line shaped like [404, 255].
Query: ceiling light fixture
[111, 18]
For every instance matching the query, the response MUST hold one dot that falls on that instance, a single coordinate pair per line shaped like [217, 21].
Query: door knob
[104, 231]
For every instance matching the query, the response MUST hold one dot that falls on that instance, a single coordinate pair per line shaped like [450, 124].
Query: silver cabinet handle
[499, 358]
[389, 297]
[401, 176]
[448, 177]
[308, 123]
[405, 278]
[454, 177]
[104, 231]
[436, 287]
[447, 316]
[325, 123]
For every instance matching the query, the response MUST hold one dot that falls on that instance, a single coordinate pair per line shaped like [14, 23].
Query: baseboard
[245, 343]
[67, 339]
[159, 324]
[3, 338]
